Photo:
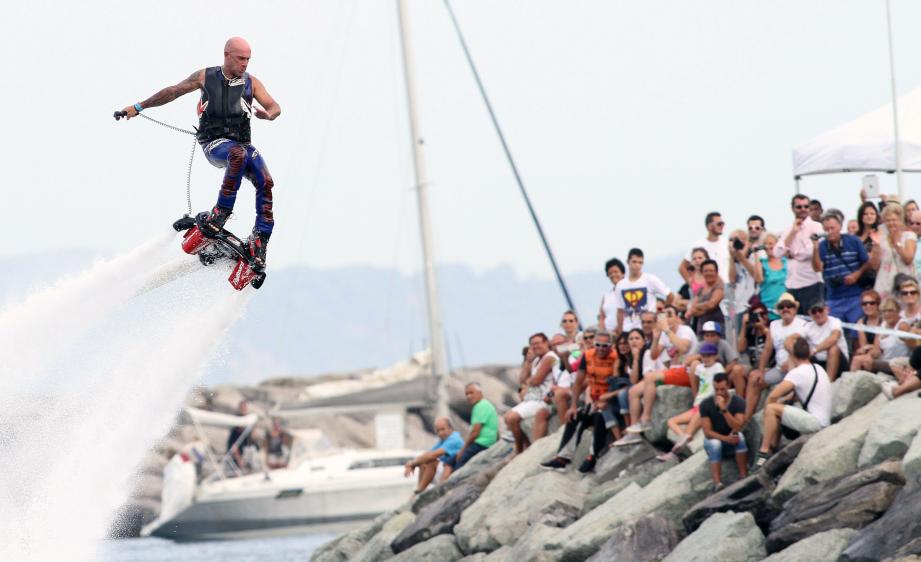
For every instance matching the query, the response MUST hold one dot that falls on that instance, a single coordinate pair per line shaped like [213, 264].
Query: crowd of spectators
[765, 321]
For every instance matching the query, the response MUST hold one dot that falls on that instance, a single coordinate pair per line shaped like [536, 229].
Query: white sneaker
[887, 388]
[632, 439]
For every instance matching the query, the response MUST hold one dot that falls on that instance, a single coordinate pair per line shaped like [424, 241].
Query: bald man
[445, 450]
[225, 109]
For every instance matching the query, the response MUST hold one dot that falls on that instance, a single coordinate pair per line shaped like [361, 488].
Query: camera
[755, 316]
[818, 236]
[836, 281]
[758, 248]
[737, 244]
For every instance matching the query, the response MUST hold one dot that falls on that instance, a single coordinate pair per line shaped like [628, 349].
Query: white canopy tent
[865, 144]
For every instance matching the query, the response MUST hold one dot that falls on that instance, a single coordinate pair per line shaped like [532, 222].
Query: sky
[629, 121]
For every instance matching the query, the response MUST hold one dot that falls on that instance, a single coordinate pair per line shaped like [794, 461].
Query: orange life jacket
[597, 371]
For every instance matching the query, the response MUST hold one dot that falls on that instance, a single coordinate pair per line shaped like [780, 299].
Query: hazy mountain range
[306, 321]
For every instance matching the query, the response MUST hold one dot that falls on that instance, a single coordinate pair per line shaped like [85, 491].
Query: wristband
[137, 107]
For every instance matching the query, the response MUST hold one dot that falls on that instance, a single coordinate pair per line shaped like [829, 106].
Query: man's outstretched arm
[195, 81]
[270, 108]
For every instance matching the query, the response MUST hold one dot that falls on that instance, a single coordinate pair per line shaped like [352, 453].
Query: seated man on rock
[672, 342]
[560, 393]
[445, 450]
[541, 366]
[484, 428]
[806, 382]
[598, 365]
[777, 347]
[722, 417]
[826, 338]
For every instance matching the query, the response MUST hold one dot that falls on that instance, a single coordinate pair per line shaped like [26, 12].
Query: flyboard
[210, 248]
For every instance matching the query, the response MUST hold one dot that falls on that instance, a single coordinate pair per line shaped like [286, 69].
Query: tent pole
[796, 185]
[895, 107]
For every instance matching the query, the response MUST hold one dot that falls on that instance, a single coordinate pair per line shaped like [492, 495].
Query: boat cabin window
[379, 463]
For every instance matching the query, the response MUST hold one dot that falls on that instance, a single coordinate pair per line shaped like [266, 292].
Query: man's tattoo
[170, 93]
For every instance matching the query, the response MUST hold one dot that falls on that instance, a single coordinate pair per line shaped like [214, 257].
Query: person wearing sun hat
[774, 362]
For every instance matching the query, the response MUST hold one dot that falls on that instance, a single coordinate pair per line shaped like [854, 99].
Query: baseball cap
[711, 326]
[708, 349]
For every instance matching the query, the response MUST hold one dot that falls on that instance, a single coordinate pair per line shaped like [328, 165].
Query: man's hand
[852, 278]
[600, 405]
[798, 223]
[130, 112]
[720, 401]
[732, 439]
[262, 114]
[408, 469]
[570, 414]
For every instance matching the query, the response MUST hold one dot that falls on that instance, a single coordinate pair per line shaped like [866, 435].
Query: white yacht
[321, 487]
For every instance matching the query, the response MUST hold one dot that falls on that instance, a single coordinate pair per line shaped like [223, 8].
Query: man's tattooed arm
[168, 94]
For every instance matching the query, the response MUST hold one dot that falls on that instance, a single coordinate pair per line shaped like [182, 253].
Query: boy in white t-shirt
[637, 292]
[704, 371]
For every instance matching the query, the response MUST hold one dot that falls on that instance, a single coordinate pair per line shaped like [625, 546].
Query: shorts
[773, 376]
[612, 414]
[800, 420]
[717, 449]
[677, 376]
[529, 408]
[469, 453]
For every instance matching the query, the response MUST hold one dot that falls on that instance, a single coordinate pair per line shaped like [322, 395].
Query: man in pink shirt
[795, 243]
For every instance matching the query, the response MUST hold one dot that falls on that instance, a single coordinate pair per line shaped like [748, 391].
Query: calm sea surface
[276, 549]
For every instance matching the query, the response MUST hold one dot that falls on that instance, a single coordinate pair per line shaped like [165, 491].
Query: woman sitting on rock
[887, 348]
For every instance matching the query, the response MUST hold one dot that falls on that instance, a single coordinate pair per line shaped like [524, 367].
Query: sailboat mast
[420, 180]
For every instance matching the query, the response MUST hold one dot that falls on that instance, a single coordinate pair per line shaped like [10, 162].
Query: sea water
[93, 370]
[276, 549]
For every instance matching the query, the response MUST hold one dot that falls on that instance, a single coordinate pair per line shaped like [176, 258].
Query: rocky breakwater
[352, 430]
[849, 492]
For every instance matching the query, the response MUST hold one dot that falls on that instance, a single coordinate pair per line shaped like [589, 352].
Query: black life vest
[225, 107]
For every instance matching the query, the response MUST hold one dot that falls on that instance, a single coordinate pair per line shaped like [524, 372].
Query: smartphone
[871, 186]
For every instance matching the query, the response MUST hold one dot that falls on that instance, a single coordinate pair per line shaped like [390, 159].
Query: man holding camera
[842, 260]
[803, 282]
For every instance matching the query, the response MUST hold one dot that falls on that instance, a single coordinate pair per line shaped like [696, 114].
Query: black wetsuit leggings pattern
[585, 420]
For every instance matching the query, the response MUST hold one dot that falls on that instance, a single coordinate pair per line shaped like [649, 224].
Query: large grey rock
[830, 453]
[596, 493]
[849, 501]
[441, 516]
[896, 534]
[501, 514]
[646, 539]
[442, 548]
[781, 461]
[892, 431]
[378, 547]
[851, 391]
[619, 459]
[489, 460]
[911, 462]
[670, 494]
[529, 547]
[670, 401]
[821, 547]
[343, 547]
[724, 537]
[747, 495]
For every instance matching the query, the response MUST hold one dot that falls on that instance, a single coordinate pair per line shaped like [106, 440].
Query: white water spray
[91, 376]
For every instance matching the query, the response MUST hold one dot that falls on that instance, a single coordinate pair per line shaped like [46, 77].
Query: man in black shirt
[722, 417]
